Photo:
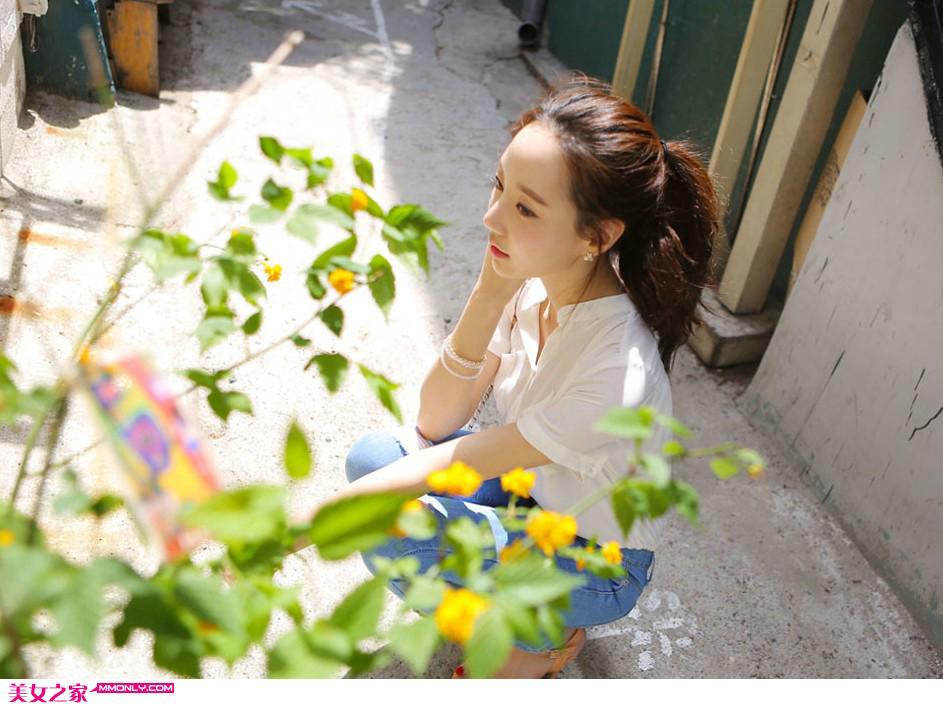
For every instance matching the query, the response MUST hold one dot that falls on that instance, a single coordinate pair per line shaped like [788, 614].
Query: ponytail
[619, 168]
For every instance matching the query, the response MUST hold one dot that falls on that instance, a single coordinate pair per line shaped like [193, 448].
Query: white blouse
[601, 355]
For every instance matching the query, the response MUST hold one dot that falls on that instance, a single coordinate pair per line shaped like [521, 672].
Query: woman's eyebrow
[529, 192]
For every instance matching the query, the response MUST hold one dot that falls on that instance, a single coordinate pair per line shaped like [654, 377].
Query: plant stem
[16, 649]
[54, 434]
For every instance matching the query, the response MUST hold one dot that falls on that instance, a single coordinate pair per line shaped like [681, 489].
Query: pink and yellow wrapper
[161, 455]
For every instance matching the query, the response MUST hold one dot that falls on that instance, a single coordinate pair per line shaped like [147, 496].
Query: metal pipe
[532, 16]
[656, 61]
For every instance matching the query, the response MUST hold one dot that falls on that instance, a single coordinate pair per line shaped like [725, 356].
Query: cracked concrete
[768, 587]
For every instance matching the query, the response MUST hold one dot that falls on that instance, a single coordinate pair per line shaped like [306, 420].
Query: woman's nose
[491, 220]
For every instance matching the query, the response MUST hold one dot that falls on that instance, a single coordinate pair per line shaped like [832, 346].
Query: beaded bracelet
[452, 372]
[450, 351]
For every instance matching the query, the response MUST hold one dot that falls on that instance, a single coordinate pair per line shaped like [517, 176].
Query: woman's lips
[498, 253]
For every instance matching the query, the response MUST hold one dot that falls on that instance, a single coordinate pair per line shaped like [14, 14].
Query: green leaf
[293, 657]
[657, 468]
[181, 656]
[342, 202]
[686, 501]
[532, 581]
[724, 468]
[246, 514]
[523, 620]
[624, 506]
[300, 340]
[333, 318]
[339, 261]
[383, 388]
[415, 643]
[225, 180]
[315, 288]
[333, 369]
[674, 425]
[297, 453]
[213, 330]
[261, 215]
[78, 612]
[241, 242]
[301, 156]
[364, 169]
[551, 622]
[207, 598]
[203, 378]
[748, 457]
[304, 224]
[418, 524]
[382, 283]
[624, 421]
[252, 324]
[673, 448]
[489, 645]
[356, 523]
[168, 255]
[278, 197]
[319, 171]
[272, 149]
[425, 593]
[344, 248]
[222, 403]
[359, 613]
[250, 286]
[215, 286]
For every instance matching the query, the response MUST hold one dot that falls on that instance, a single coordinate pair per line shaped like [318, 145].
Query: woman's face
[530, 216]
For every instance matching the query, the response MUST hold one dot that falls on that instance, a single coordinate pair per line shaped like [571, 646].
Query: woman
[600, 229]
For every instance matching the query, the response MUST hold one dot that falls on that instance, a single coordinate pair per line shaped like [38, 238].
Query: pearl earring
[588, 257]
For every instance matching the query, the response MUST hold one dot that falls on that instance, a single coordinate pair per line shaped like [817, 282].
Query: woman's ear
[611, 230]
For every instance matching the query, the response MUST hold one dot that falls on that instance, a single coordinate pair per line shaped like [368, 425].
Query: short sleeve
[501, 340]
[563, 428]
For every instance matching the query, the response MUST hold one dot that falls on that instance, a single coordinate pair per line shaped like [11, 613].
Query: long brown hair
[619, 169]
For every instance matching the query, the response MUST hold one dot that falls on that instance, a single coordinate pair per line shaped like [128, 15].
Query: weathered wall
[852, 381]
[12, 78]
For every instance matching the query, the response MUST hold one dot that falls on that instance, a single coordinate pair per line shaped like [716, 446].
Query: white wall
[852, 381]
[12, 78]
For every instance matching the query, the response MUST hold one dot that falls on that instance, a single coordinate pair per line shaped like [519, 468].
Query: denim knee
[370, 452]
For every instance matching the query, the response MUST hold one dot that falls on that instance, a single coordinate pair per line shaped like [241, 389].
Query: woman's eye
[525, 211]
[495, 182]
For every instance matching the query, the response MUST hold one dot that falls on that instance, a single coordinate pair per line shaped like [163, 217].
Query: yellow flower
[755, 470]
[85, 355]
[457, 479]
[581, 563]
[455, 617]
[612, 553]
[550, 530]
[6, 537]
[512, 552]
[413, 505]
[518, 482]
[358, 199]
[274, 272]
[342, 280]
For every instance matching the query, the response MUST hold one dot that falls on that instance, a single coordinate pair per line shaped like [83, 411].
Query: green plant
[224, 607]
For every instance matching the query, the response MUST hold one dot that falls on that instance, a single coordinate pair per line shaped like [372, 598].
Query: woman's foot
[534, 665]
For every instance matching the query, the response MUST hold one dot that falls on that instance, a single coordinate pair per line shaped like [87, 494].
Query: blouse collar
[601, 308]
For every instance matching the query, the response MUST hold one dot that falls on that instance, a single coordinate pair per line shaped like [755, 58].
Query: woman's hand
[493, 285]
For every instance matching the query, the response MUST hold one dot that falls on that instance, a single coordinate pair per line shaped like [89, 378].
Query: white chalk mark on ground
[346, 19]
[658, 613]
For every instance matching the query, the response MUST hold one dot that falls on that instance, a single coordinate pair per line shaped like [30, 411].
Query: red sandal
[561, 657]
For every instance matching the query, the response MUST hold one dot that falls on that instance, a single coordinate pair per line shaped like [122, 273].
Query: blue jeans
[596, 602]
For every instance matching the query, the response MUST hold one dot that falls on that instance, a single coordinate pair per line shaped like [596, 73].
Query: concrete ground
[769, 587]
